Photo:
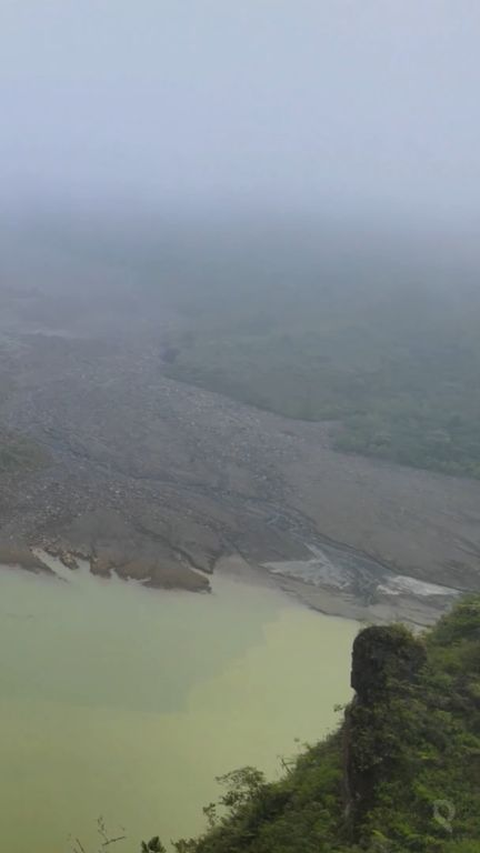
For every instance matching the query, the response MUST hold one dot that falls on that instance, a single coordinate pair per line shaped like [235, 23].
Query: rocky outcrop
[411, 756]
[386, 661]
[384, 658]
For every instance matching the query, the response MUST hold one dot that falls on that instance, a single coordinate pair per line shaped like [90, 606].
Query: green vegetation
[18, 453]
[395, 367]
[401, 774]
[153, 846]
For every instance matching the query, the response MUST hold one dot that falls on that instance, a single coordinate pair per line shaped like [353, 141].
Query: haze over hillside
[239, 381]
[239, 258]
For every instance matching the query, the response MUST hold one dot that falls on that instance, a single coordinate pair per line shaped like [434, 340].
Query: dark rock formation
[383, 658]
[385, 663]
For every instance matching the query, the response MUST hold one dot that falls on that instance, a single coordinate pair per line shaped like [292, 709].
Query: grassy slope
[421, 742]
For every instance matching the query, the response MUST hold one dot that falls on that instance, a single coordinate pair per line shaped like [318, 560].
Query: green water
[125, 702]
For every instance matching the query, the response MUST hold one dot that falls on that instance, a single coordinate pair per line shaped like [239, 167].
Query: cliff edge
[402, 773]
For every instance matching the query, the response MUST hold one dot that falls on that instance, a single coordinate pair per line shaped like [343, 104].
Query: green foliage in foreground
[415, 749]
[395, 367]
[153, 846]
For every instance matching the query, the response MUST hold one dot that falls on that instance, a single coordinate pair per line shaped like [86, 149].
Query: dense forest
[401, 774]
[396, 369]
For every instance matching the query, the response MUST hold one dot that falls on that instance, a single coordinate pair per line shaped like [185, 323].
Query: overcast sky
[355, 103]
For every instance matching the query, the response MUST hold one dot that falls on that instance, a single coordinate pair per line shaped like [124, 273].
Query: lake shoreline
[374, 604]
[414, 610]
[206, 477]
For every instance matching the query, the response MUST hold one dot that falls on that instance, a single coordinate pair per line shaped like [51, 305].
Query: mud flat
[397, 598]
[349, 587]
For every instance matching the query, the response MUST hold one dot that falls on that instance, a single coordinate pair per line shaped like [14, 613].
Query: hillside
[395, 367]
[401, 774]
[375, 331]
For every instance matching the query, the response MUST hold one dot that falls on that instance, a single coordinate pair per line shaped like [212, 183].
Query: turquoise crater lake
[123, 702]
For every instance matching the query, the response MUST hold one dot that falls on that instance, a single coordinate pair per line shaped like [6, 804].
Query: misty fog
[239, 420]
[344, 108]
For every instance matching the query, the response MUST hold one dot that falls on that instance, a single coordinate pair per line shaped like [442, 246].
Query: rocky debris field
[158, 480]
